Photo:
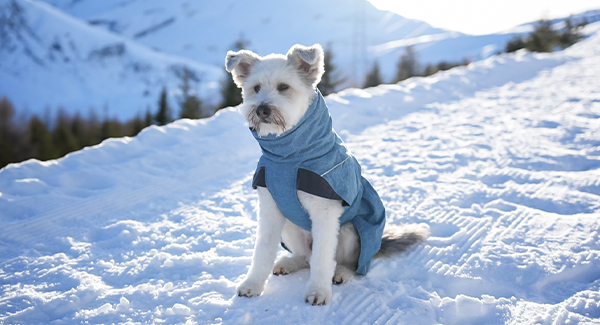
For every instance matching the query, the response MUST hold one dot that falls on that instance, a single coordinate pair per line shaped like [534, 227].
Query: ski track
[160, 228]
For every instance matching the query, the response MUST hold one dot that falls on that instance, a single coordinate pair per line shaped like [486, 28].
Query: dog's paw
[342, 274]
[318, 296]
[287, 265]
[250, 289]
[280, 270]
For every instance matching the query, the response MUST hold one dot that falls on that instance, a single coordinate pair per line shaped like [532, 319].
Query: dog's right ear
[239, 65]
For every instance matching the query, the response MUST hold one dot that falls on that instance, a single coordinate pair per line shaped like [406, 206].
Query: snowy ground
[501, 159]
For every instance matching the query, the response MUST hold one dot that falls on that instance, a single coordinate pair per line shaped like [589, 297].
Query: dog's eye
[256, 88]
[283, 87]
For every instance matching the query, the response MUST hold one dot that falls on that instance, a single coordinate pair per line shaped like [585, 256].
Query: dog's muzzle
[263, 112]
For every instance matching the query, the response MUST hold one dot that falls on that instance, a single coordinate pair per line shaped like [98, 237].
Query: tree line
[544, 38]
[408, 66]
[50, 137]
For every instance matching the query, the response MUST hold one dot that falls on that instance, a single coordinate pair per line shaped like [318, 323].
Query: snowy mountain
[500, 159]
[205, 30]
[49, 59]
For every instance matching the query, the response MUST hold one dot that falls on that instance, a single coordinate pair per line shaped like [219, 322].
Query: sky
[479, 17]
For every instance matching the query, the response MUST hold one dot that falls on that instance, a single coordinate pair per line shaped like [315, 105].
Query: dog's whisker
[279, 121]
[276, 119]
[253, 120]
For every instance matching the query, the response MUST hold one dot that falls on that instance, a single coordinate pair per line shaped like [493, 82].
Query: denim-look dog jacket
[313, 158]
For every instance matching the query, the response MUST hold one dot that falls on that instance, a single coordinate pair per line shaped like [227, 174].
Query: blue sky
[480, 17]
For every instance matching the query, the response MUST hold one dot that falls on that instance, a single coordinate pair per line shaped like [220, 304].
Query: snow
[501, 159]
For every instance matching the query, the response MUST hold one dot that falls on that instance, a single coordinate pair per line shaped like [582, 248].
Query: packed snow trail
[501, 159]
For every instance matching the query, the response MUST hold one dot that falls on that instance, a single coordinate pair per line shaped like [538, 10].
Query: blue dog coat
[311, 157]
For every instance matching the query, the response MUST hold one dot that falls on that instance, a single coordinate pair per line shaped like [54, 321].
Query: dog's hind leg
[342, 274]
[346, 256]
[298, 242]
[325, 215]
[270, 225]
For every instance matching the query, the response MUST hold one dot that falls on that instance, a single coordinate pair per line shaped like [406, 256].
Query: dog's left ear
[308, 61]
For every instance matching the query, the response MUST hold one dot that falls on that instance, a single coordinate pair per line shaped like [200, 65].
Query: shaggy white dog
[277, 91]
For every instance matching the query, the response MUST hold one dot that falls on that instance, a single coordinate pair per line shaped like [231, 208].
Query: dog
[312, 197]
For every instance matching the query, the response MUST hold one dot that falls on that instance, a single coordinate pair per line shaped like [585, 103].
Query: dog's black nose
[263, 111]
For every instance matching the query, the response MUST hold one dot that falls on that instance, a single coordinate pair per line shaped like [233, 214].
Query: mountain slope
[49, 59]
[500, 159]
[205, 30]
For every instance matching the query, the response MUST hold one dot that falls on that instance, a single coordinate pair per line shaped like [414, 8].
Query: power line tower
[359, 42]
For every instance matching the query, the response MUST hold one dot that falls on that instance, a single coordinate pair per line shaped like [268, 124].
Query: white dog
[308, 183]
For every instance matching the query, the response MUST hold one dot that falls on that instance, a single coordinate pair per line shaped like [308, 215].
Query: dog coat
[311, 157]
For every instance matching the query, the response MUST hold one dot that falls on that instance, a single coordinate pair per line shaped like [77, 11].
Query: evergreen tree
[373, 77]
[515, 44]
[543, 38]
[408, 66]
[40, 140]
[93, 128]
[7, 134]
[6, 153]
[569, 35]
[148, 119]
[7, 112]
[85, 132]
[430, 69]
[232, 95]
[110, 128]
[135, 126]
[62, 136]
[191, 105]
[329, 80]
[163, 116]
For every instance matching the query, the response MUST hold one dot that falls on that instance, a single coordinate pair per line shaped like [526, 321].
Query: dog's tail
[397, 239]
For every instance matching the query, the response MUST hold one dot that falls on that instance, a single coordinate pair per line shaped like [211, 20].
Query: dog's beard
[255, 122]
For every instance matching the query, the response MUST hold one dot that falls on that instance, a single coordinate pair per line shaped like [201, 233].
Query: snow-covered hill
[500, 159]
[49, 59]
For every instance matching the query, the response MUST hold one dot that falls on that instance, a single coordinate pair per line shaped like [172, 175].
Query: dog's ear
[308, 61]
[239, 65]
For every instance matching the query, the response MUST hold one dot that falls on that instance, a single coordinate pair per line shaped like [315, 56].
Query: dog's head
[277, 89]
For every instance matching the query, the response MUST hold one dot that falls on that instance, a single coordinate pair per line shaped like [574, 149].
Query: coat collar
[312, 137]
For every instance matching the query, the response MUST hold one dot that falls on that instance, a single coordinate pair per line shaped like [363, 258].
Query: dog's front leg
[325, 215]
[268, 238]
